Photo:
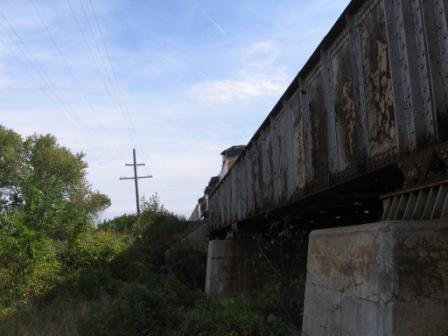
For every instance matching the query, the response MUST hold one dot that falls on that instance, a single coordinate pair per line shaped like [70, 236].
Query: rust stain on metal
[425, 167]
[377, 82]
[318, 130]
[282, 158]
[435, 12]
[299, 151]
[347, 120]
[268, 172]
[257, 174]
[350, 113]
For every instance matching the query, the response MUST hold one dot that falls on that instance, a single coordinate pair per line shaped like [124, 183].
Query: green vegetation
[45, 206]
[62, 275]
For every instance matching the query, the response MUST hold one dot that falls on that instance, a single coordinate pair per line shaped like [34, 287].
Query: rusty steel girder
[374, 94]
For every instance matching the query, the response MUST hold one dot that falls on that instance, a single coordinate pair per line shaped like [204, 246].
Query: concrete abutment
[229, 267]
[381, 279]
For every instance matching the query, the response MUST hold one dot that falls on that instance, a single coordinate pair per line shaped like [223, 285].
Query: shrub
[187, 264]
[155, 307]
[156, 234]
[94, 250]
[28, 261]
[238, 316]
[120, 224]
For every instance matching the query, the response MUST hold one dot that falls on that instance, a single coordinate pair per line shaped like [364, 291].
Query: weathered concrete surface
[382, 279]
[229, 269]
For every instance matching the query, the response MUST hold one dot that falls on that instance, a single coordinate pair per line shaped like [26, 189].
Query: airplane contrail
[213, 21]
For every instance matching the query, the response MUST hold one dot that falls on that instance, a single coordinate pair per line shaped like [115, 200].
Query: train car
[375, 92]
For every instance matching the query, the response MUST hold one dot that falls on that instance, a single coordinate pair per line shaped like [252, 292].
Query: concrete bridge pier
[229, 267]
[381, 279]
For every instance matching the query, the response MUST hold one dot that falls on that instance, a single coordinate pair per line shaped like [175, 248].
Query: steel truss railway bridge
[356, 148]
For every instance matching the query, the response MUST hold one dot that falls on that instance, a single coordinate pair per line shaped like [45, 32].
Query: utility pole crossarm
[135, 178]
[132, 165]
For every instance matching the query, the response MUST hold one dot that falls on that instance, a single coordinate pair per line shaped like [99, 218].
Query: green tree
[46, 204]
[48, 183]
[50, 163]
[11, 167]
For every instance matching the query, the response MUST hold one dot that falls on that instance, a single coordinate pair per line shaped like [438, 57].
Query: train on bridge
[355, 153]
[367, 115]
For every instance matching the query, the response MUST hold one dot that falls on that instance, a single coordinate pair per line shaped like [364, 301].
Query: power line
[43, 80]
[108, 59]
[105, 80]
[42, 74]
[46, 83]
[99, 53]
[39, 81]
[69, 69]
[92, 54]
[59, 51]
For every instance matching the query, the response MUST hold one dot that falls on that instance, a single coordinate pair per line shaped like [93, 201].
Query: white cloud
[259, 76]
[262, 53]
[229, 90]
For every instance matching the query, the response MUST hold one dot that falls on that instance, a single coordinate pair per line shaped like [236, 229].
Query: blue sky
[179, 80]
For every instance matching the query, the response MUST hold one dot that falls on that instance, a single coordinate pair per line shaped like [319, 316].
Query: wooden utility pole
[135, 178]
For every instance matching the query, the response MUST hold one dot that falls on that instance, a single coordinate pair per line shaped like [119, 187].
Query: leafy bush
[281, 263]
[28, 261]
[121, 224]
[151, 308]
[187, 264]
[239, 316]
[94, 250]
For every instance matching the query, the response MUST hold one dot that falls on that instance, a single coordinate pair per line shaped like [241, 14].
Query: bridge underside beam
[353, 202]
